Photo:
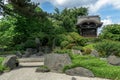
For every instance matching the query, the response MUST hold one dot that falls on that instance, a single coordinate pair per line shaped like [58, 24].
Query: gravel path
[28, 73]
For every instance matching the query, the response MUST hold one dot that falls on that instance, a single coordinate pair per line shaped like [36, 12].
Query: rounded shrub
[64, 44]
[87, 51]
[107, 48]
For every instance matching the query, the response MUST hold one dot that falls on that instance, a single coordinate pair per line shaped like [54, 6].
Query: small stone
[79, 71]
[73, 78]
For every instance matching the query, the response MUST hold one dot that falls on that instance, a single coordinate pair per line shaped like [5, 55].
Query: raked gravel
[28, 73]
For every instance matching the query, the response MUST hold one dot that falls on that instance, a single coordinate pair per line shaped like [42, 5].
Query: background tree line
[24, 21]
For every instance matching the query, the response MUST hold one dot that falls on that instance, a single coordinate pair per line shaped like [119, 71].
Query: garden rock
[73, 78]
[39, 53]
[11, 62]
[113, 60]
[19, 54]
[79, 71]
[47, 49]
[31, 50]
[56, 62]
[76, 52]
[27, 54]
[1, 72]
[94, 53]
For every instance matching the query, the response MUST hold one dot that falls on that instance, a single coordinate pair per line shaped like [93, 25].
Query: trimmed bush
[111, 32]
[71, 39]
[87, 51]
[107, 48]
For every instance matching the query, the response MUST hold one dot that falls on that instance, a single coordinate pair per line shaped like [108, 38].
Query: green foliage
[111, 32]
[87, 51]
[71, 39]
[78, 48]
[62, 51]
[90, 46]
[99, 67]
[29, 44]
[64, 44]
[67, 18]
[1, 67]
[107, 48]
[19, 47]
[7, 30]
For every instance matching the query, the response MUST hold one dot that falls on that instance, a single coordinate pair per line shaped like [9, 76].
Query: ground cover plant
[1, 67]
[99, 67]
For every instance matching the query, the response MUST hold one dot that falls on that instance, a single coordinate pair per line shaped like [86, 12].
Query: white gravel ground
[28, 73]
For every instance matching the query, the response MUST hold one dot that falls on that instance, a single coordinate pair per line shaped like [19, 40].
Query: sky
[108, 10]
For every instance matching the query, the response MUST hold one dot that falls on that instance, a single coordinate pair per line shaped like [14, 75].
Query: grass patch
[2, 68]
[99, 67]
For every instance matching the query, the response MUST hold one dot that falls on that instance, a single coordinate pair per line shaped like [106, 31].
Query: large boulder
[56, 62]
[11, 62]
[113, 60]
[79, 71]
[94, 53]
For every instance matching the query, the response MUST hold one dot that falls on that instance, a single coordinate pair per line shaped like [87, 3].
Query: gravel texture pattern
[28, 73]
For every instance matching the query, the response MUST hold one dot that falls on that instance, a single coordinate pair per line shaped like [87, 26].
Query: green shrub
[87, 51]
[94, 40]
[111, 32]
[71, 39]
[64, 44]
[63, 51]
[100, 68]
[19, 47]
[107, 48]
[78, 48]
[90, 46]
[29, 44]
[70, 46]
